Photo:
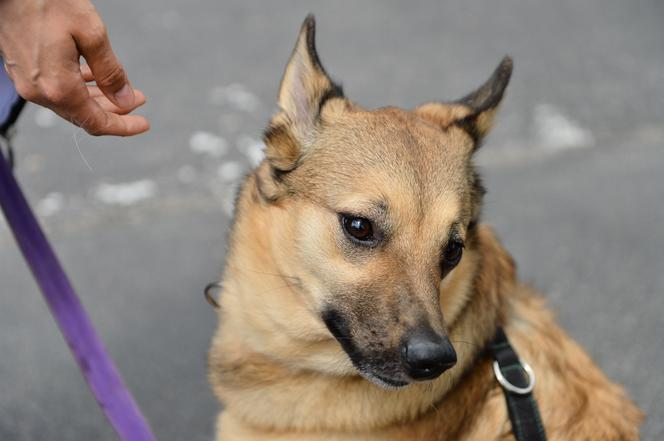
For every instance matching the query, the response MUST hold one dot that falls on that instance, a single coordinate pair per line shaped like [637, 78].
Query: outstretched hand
[41, 43]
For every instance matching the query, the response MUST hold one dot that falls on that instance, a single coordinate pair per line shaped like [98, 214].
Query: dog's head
[374, 213]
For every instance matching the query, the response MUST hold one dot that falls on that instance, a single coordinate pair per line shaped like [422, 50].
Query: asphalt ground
[573, 168]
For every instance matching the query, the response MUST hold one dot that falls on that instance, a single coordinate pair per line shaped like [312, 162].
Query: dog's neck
[265, 362]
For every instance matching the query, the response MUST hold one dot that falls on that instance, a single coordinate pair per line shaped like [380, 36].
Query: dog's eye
[358, 228]
[452, 254]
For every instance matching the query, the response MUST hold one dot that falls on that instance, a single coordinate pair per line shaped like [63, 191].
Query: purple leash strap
[96, 365]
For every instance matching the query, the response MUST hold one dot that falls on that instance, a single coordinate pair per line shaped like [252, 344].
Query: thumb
[108, 73]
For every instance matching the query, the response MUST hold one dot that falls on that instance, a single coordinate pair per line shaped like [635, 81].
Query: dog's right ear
[305, 89]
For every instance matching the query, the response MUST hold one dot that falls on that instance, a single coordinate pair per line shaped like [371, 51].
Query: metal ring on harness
[209, 293]
[504, 382]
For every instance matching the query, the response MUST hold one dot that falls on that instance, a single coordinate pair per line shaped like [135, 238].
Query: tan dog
[360, 293]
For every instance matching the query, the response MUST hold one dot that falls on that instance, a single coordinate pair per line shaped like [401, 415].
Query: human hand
[41, 42]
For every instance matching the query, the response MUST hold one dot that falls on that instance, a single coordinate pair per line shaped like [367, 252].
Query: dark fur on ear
[490, 94]
[305, 90]
[475, 112]
[483, 102]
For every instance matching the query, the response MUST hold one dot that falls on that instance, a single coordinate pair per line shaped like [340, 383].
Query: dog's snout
[427, 355]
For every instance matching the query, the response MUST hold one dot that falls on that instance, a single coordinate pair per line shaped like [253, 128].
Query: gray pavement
[574, 171]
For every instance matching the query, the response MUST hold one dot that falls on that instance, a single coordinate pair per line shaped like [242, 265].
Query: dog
[360, 291]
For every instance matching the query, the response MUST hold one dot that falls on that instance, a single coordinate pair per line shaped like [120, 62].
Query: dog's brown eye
[358, 228]
[452, 254]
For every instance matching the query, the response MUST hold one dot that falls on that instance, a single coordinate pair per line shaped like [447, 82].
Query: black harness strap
[517, 381]
[6, 131]
[14, 112]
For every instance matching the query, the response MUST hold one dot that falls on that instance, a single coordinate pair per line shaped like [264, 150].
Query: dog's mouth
[382, 381]
[369, 370]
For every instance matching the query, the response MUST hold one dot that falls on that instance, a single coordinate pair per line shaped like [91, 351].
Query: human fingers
[96, 120]
[108, 106]
[107, 72]
[86, 73]
[94, 91]
[86, 112]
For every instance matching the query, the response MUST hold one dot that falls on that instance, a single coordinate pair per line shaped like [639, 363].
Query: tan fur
[274, 364]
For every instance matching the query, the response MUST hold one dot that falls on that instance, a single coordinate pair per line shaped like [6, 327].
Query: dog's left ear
[476, 111]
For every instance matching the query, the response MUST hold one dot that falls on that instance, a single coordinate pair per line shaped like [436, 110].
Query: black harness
[517, 381]
[15, 104]
[12, 116]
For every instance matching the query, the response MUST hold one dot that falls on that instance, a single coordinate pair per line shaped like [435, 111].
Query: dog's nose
[427, 355]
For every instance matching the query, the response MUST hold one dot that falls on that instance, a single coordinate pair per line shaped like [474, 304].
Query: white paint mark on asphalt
[235, 95]
[45, 118]
[33, 163]
[126, 194]
[252, 148]
[50, 205]
[208, 143]
[230, 121]
[230, 171]
[555, 131]
[186, 174]
[228, 203]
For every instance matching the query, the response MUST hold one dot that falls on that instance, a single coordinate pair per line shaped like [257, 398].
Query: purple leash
[91, 355]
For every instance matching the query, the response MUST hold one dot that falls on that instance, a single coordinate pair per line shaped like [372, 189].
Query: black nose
[427, 355]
